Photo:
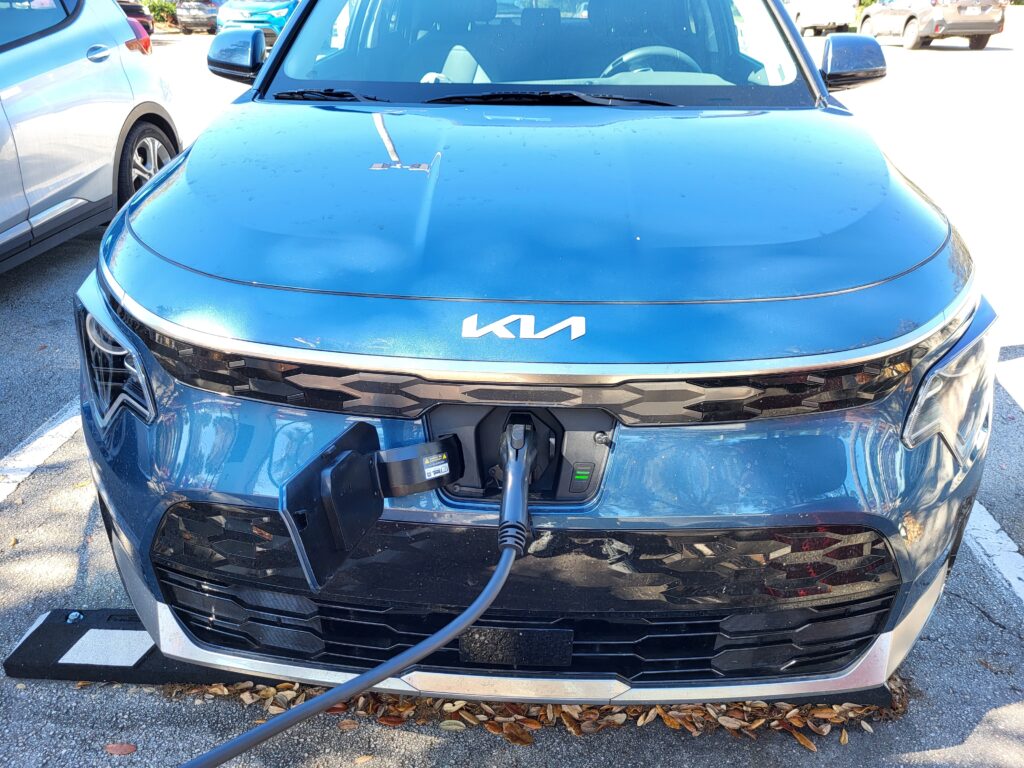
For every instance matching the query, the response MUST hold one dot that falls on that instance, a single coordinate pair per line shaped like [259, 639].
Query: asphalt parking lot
[948, 117]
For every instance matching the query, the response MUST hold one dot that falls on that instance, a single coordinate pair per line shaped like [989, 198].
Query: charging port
[572, 447]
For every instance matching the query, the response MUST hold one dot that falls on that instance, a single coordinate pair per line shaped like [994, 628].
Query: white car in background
[823, 15]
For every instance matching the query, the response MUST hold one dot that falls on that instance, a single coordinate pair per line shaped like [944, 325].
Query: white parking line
[989, 542]
[1011, 376]
[20, 463]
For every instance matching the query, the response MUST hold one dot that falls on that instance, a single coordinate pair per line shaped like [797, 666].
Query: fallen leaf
[531, 723]
[667, 719]
[248, 698]
[217, 690]
[348, 724]
[571, 724]
[392, 721]
[844, 737]
[492, 727]
[453, 725]
[821, 730]
[454, 706]
[866, 726]
[83, 684]
[121, 749]
[337, 709]
[731, 722]
[515, 734]
[804, 741]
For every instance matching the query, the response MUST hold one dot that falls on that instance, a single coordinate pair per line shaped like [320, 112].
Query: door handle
[97, 53]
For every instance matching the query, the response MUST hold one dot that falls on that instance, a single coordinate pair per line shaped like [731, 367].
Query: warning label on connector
[435, 466]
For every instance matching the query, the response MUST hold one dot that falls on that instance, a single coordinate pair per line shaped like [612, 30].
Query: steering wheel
[631, 61]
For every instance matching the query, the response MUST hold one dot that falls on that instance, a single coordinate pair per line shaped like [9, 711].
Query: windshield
[706, 52]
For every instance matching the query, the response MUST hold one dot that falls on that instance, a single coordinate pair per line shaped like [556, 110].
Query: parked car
[504, 269]
[197, 15]
[918, 22]
[270, 16]
[83, 121]
[820, 16]
[138, 12]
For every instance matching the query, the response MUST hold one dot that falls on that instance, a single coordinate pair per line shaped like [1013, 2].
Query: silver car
[918, 22]
[82, 120]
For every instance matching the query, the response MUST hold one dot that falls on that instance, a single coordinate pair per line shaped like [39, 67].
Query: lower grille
[641, 649]
[651, 608]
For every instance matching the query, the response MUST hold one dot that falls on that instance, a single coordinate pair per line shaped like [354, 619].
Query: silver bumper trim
[868, 672]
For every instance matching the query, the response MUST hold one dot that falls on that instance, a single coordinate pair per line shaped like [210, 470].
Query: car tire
[146, 150]
[867, 27]
[912, 35]
[978, 42]
[186, 31]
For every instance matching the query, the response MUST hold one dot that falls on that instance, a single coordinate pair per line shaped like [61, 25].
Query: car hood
[562, 204]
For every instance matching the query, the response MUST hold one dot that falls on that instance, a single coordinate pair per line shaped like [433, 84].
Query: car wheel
[912, 36]
[867, 28]
[978, 42]
[186, 31]
[146, 150]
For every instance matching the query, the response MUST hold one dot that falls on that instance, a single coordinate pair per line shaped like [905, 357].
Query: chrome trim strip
[525, 373]
[870, 671]
[55, 211]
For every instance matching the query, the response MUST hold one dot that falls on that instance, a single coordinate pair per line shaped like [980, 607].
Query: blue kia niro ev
[626, 270]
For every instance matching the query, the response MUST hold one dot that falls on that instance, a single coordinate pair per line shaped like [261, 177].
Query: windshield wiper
[325, 94]
[547, 97]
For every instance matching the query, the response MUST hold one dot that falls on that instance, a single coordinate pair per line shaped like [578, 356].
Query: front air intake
[113, 373]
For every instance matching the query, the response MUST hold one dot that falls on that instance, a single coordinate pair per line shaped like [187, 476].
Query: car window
[23, 19]
[669, 49]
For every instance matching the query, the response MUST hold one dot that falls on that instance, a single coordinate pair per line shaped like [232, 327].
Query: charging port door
[330, 504]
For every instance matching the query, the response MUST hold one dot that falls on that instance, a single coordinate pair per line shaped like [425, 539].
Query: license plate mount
[510, 647]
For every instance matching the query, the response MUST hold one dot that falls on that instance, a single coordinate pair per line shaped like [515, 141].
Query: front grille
[641, 649]
[649, 607]
[634, 403]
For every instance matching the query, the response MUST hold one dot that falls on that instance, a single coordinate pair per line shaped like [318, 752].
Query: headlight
[115, 376]
[954, 401]
[280, 13]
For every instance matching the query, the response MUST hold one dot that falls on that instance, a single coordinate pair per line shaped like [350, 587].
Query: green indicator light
[582, 475]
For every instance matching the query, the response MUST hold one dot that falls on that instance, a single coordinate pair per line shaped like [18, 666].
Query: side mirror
[237, 54]
[850, 60]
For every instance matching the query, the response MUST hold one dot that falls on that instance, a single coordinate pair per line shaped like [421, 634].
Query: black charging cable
[518, 451]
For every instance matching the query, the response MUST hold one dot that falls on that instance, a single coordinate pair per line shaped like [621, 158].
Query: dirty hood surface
[539, 204]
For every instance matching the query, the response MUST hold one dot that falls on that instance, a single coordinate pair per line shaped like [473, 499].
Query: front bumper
[840, 468]
[869, 672]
